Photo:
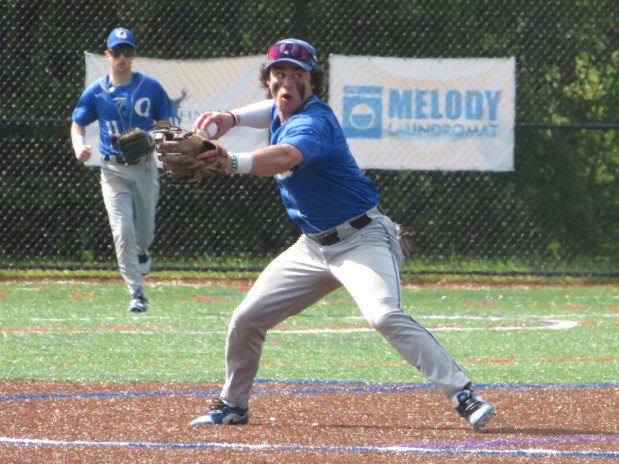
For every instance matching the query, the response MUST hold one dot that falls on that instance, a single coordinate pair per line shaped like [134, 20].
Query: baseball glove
[178, 149]
[134, 145]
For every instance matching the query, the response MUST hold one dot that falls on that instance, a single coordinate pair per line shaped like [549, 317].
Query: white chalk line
[269, 447]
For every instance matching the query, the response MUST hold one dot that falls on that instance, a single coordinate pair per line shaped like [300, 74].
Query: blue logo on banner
[362, 111]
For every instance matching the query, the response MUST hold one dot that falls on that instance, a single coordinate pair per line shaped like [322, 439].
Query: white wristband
[244, 163]
[78, 143]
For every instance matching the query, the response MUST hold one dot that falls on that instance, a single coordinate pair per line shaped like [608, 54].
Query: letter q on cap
[119, 36]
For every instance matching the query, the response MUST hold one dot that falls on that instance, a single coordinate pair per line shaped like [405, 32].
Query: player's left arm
[305, 137]
[264, 162]
[275, 159]
[302, 143]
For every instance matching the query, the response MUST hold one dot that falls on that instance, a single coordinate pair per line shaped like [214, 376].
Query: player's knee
[387, 322]
[123, 235]
[243, 320]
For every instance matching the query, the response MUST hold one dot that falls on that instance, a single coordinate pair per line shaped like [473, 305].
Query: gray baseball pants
[366, 262]
[130, 194]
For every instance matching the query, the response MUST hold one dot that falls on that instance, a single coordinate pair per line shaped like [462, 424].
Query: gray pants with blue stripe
[130, 194]
[366, 262]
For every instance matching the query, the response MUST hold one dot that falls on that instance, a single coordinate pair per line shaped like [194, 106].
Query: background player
[121, 101]
[347, 239]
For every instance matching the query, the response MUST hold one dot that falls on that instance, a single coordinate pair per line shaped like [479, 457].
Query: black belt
[116, 158]
[119, 160]
[333, 237]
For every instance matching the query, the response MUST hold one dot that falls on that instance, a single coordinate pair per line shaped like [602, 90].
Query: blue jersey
[120, 109]
[328, 187]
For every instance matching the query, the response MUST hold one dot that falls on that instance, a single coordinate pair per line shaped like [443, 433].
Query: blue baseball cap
[119, 36]
[293, 51]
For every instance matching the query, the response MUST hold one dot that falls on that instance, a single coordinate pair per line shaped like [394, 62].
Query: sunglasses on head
[126, 50]
[291, 50]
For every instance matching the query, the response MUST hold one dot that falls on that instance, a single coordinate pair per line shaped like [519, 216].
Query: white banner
[194, 87]
[426, 114]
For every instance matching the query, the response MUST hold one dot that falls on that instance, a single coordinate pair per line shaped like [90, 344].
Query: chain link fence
[558, 211]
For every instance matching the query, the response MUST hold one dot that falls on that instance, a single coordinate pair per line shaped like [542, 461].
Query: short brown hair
[317, 79]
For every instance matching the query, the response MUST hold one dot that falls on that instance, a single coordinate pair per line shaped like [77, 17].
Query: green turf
[497, 334]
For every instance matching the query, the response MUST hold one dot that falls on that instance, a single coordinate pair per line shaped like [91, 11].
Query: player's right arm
[82, 151]
[84, 113]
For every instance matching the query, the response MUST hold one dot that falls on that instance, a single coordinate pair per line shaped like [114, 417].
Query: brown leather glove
[178, 150]
[134, 145]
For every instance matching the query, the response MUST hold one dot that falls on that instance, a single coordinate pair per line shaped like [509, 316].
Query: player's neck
[120, 78]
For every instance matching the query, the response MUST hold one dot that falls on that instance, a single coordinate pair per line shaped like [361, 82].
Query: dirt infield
[303, 423]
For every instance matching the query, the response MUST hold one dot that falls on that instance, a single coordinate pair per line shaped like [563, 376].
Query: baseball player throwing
[346, 237]
[121, 101]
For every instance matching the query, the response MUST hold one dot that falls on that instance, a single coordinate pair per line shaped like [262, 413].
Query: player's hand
[84, 154]
[213, 124]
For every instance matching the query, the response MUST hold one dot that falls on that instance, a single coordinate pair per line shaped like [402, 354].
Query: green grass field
[75, 331]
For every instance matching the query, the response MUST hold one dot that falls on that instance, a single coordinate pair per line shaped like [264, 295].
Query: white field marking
[416, 287]
[420, 318]
[536, 317]
[73, 319]
[27, 285]
[610, 316]
[554, 325]
[292, 447]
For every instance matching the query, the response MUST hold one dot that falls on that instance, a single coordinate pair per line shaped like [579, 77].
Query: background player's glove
[134, 145]
[405, 237]
[178, 151]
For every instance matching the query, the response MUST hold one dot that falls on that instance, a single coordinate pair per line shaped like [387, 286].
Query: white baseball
[211, 129]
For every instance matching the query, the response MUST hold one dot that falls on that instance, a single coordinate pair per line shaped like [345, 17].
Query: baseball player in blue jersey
[346, 240]
[121, 101]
